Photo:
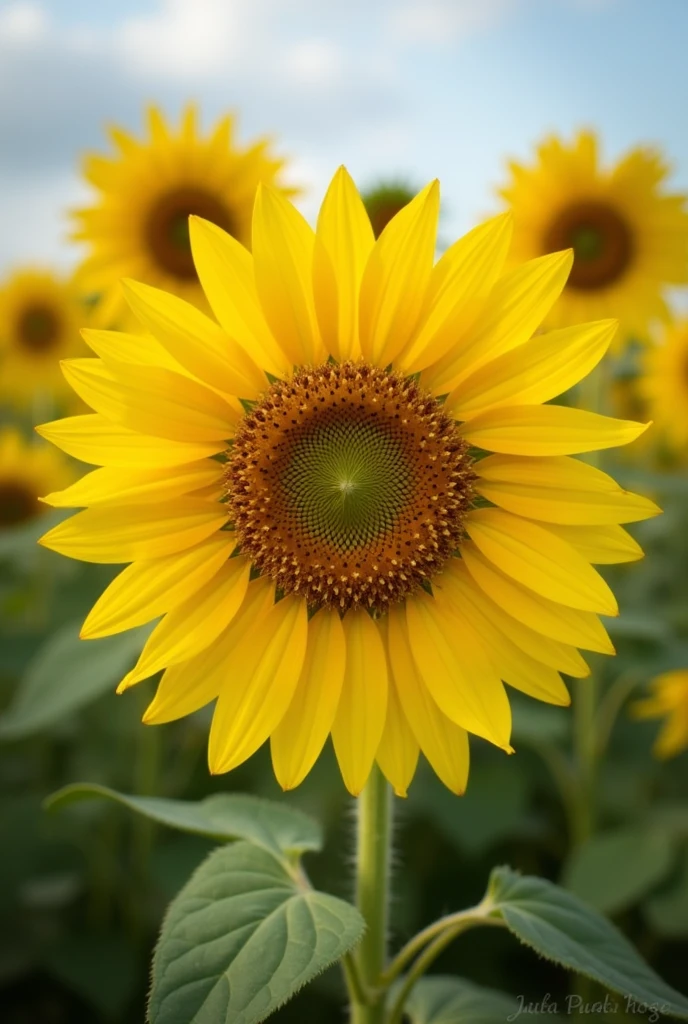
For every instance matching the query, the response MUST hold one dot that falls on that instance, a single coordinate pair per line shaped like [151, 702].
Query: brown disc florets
[38, 328]
[17, 503]
[167, 227]
[348, 484]
[602, 243]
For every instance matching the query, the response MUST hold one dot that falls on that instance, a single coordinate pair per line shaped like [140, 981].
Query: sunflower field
[343, 549]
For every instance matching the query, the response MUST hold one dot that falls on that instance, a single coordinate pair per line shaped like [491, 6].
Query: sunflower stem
[372, 895]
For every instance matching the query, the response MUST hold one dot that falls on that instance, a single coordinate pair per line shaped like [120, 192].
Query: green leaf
[243, 935]
[613, 870]
[561, 928]
[66, 674]
[225, 816]
[443, 1000]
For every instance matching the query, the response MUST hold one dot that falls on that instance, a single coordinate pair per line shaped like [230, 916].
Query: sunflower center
[167, 227]
[601, 240]
[17, 503]
[349, 485]
[38, 328]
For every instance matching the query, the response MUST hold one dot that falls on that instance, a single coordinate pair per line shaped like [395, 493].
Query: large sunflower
[348, 501]
[664, 386]
[40, 317]
[629, 236]
[26, 472]
[669, 700]
[147, 191]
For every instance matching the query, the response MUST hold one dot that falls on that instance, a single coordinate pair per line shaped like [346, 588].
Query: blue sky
[411, 88]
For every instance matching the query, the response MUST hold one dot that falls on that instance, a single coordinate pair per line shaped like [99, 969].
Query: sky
[402, 89]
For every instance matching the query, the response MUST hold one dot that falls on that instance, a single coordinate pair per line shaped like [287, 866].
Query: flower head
[26, 472]
[669, 700]
[140, 224]
[347, 497]
[664, 386]
[629, 236]
[40, 317]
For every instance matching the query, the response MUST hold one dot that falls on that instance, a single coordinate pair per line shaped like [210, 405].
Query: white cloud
[192, 39]
[22, 21]
[442, 22]
[314, 62]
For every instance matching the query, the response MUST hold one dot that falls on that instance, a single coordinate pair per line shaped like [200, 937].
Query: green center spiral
[347, 483]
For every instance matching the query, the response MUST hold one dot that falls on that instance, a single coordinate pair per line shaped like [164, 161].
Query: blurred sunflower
[669, 700]
[664, 386]
[384, 201]
[302, 494]
[629, 237]
[148, 190]
[27, 471]
[40, 317]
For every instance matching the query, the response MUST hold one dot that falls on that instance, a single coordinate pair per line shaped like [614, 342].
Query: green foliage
[561, 928]
[66, 674]
[442, 1000]
[279, 830]
[613, 870]
[243, 935]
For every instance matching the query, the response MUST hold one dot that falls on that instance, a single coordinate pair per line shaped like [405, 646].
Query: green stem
[372, 897]
[585, 744]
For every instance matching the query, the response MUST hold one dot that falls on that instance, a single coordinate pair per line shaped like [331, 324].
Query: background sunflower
[629, 235]
[147, 191]
[40, 319]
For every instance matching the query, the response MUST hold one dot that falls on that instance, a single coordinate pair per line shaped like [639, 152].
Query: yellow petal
[459, 285]
[568, 625]
[396, 277]
[559, 490]
[511, 663]
[514, 309]
[153, 400]
[147, 589]
[559, 656]
[129, 348]
[195, 624]
[602, 545]
[98, 441]
[283, 262]
[194, 341]
[548, 430]
[539, 560]
[261, 673]
[443, 743]
[397, 754]
[114, 486]
[225, 270]
[536, 371]
[132, 532]
[456, 669]
[300, 736]
[191, 685]
[360, 718]
[343, 241]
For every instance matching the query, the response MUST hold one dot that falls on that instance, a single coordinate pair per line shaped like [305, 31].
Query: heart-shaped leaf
[243, 935]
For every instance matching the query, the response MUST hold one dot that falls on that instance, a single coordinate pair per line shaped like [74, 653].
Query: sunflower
[664, 386]
[148, 190]
[669, 700]
[40, 317]
[629, 237]
[347, 500]
[27, 471]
